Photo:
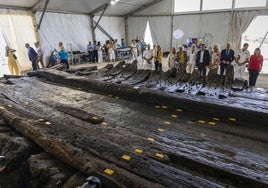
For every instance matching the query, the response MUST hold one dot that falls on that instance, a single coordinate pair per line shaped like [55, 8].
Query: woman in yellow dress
[12, 64]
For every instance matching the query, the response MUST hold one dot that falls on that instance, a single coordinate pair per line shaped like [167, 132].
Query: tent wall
[115, 26]
[161, 30]
[73, 30]
[136, 28]
[18, 29]
[196, 26]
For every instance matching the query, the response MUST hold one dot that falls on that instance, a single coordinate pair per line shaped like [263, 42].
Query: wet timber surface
[128, 141]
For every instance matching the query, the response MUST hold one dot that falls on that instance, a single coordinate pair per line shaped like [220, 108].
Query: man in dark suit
[203, 60]
[227, 56]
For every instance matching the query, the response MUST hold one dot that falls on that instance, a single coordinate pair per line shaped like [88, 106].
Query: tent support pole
[100, 17]
[92, 27]
[42, 16]
[126, 30]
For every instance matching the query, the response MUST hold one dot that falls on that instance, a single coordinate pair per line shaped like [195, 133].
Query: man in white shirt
[40, 54]
[241, 58]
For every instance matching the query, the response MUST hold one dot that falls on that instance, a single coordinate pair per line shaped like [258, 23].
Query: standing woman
[12, 64]
[215, 59]
[171, 58]
[158, 59]
[100, 56]
[192, 59]
[254, 67]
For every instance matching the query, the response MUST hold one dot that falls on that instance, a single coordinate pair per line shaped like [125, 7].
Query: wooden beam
[142, 7]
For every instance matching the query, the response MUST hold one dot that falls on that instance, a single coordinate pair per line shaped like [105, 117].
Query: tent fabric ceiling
[122, 7]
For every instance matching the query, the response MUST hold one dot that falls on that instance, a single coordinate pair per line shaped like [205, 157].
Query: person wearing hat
[203, 60]
[12, 64]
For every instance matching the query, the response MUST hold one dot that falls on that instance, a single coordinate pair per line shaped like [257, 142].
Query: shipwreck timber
[107, 123]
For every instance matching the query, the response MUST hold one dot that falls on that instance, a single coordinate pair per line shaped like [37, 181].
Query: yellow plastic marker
[26, 103]
[2, 108]
[41, 120]
[216, 119]
[211, 123]
[95, 118]
[232, 119]
[79, 88]
[47, 123]
[126, 157]
[10, 106]
[174, 116]
[201, 121]
[160, 130]
[104, 123]
[110, 96]
[116, 97]
[159, 155]
[157, 107]
[138, 151]
[150, 139]
[109, 171]
[167, 122]
[164, 107]
[179, 110]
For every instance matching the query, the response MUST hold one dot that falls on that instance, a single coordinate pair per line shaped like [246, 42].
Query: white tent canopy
[71, 22]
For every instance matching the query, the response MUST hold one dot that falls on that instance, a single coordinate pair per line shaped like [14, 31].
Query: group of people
[107, 51]
[218, 61]
[34, 56]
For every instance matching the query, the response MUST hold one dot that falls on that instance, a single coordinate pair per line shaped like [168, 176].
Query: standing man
[227, 56]
[32, 56]
[90, 52]
[40, 54]
[95, 51]
[241, 58]
[203, 60]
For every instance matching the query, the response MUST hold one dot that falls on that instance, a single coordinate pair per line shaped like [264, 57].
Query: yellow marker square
[150, 139]
[41, 120]
[138, 151]
[116, 97]
[202, 121]
[109, 171]
[167, 122]
[126, 157]
[232, 119]
[104, 123]
[26, 103]
[160, 130]
[109, 95]
[174, 116]
[10, 106]
[47, 123]
[179, 110]
[211, 123]
[159, 155]
[216, 119]
[164, 107]
[95, 118]
[2, 108]
[157, 107]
